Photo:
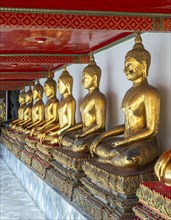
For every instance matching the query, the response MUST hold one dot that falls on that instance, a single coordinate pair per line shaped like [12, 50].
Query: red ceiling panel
[147, 6]
[37, 36]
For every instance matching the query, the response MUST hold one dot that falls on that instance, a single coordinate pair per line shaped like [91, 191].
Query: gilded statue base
[40, 166]
[27, 156]
[17, 149]
[89, 195]
[2, 139]
[20, 138]
[18, 145]
[97, 208]
[6, 139]
[118, 179]
[63, 178]
[67, 170]
[31, 142]
[154, 200]
[44, 151]
[7, 142]
[110, 187]
[29, 152]
[69, 158]
[60, 182]
[42, 159]
[4, 131]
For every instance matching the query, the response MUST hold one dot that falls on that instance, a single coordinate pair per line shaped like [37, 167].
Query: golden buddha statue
[37, 109]
[93, 112]
[66, 110]
[2, 112]
[28, 111]
[163, 168]
[51, 108]
[23, 106]
[141, 108]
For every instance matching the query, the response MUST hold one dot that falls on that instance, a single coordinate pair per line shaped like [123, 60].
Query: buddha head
[21, 97]
[91, 74]
[137, 60]
[50, 86]
[163, 168]
[29, 96]
[37, 91]
[65, 82]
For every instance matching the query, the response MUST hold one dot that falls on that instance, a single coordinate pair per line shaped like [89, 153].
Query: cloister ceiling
[38, 36]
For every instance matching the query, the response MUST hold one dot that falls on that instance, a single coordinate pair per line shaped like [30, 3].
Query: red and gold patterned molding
[48, 19]
[22, 75]
[11, 88]
[45, 59]
[10, 83]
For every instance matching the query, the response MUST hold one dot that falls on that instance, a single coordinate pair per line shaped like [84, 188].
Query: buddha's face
[47, 90]
[87, 80]
[35, 94]
[28, 98]
[21, 99]
[61, 87]
[133, 69]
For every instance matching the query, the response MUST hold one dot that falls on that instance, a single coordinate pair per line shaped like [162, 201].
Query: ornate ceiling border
[11, 88]
[17, 83]
[22, 75]
[43, 58]
[42, 19]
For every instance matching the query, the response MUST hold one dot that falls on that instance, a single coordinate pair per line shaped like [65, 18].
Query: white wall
[114, 83]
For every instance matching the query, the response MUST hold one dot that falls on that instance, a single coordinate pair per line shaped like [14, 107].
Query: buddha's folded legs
[82, 145]
[68, 139]
[138, 154]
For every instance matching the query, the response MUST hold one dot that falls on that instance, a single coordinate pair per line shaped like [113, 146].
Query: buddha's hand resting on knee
[118, 143]
[42, 137]
[93, 146]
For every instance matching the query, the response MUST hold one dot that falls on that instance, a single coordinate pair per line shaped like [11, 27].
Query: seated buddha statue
[66, 110]
[22, 108]
[93, 113]
[28, 111]
[163, 168]
[2, 111]
[51, 108]
[37, 109]
[141, 107]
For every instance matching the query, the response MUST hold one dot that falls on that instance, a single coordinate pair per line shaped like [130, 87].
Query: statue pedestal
[6, 138]
[67, 170]
[29, 150]
[42, 160]
[19, 143]
[154, 201]
[110, 188]
[40, 166]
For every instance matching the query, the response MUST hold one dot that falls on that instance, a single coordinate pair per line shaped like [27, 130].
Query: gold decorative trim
[67, 172]
[80, 12]
[40, 166]
[155, 201]
[70, 159]
[64, 185]
[26, 157]
[103, 176]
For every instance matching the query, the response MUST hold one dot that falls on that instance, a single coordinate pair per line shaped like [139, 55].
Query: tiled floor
[15, 202]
